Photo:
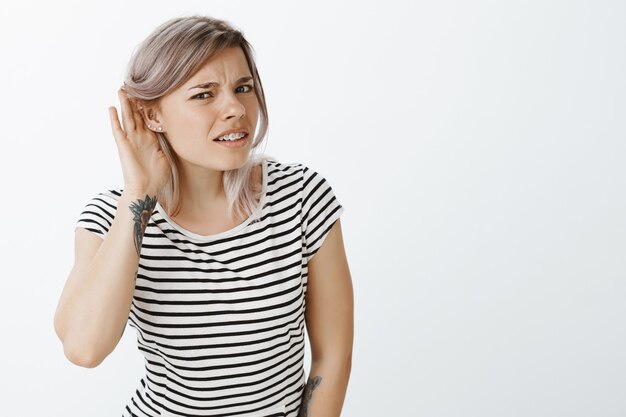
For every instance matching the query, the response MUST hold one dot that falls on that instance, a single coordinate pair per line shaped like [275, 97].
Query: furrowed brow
[214, 84]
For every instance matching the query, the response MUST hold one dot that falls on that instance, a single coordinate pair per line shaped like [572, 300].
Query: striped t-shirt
[220, 318]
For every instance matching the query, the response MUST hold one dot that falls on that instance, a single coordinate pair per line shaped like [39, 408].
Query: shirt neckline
[225, 233]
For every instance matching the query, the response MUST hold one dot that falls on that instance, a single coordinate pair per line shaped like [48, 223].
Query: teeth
[232, 136]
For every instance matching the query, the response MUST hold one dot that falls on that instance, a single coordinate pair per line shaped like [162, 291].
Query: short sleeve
[320, 210]
[98, 214]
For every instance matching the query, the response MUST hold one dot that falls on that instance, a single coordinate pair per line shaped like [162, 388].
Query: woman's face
[193, 116]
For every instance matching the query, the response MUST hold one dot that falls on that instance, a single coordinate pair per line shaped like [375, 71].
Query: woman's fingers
[118, 133]
[135, 108]
[139, 122]
[128, 119]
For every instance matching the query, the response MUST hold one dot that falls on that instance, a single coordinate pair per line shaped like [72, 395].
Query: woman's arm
[95, 303]
[330, 325]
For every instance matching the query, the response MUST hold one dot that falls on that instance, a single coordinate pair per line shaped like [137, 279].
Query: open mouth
[234, 143]
[244, 137]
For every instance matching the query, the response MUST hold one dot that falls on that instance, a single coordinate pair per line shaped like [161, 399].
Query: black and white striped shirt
[220, 318]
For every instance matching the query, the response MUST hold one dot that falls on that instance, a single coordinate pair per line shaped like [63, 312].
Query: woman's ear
[150, 115]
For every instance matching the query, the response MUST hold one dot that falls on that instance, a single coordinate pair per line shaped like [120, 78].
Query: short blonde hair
[165, 60]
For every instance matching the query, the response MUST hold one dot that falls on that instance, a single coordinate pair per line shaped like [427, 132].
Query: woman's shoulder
[308, 176]
[99, 211]
[114, 193]
[293, 166]
[105, 200]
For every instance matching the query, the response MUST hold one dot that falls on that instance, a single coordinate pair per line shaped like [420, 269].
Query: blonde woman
[219, 257]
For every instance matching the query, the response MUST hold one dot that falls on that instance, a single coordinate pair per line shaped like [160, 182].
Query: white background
[479, 150]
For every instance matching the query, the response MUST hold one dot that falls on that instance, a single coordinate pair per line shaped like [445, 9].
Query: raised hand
[145, 167]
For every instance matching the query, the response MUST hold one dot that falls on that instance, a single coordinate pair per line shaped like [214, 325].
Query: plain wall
[478, 149]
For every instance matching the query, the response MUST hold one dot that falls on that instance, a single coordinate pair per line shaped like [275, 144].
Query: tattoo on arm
[307, 394]
[142, 211]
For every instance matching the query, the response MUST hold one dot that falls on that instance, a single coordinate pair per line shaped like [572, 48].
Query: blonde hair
[165, 60]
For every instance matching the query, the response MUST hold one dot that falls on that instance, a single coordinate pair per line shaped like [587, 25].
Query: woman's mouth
[233, 143]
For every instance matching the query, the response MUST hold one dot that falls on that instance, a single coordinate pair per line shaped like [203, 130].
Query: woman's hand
[145, 167]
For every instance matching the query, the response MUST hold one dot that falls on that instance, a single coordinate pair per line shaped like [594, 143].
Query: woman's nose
[233, 107]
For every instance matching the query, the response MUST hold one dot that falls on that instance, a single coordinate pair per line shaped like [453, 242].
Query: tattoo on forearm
[142, 211]
[307, 393]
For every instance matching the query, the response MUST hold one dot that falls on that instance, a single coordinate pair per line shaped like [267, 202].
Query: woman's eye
[198, 95]
[250, 88]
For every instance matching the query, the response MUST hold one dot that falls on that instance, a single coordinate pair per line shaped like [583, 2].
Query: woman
[208, 249]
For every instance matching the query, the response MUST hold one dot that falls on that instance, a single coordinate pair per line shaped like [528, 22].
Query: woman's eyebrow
[214, 84]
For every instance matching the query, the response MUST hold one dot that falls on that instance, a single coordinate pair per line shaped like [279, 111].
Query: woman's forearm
[325, 390]
[95, 304]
